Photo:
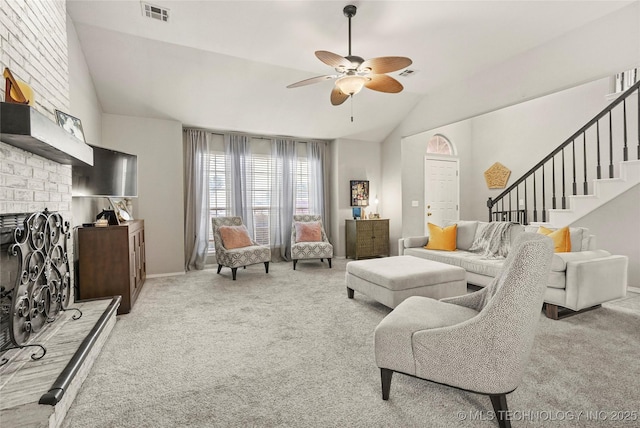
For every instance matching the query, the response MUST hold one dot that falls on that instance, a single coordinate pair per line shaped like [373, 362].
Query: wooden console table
[367, 238]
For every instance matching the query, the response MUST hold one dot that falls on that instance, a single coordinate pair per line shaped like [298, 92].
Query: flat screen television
[113, 174]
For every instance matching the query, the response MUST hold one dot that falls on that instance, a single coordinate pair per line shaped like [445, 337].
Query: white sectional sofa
[581, 279]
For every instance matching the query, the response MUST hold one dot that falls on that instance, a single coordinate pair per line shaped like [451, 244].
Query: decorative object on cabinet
[110, 216]
[357, 212]
[367, 238]
[497, 176]
[111, 262]
[71, 124]
[121, 209]
[359, 193]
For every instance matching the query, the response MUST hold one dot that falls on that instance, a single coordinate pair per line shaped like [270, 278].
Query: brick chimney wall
[33, 45]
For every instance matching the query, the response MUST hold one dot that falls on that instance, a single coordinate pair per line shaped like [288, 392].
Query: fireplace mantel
[24, 127]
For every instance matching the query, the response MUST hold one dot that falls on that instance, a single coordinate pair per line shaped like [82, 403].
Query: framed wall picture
[70, 124]
[359, 193]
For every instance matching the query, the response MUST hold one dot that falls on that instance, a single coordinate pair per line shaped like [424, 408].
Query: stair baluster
[610, 147]
[585, 188]
[625, 150]
[564, 190]
[535, 199]
[573, 151]
[544, 206]
[553, 182]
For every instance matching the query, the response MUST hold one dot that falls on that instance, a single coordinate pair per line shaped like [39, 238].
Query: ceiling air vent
[155, 12]
[408, 72]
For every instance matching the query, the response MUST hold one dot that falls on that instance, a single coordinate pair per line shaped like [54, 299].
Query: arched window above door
[439, 145]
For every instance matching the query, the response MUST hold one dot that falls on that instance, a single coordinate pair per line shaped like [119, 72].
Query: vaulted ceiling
[225, 65]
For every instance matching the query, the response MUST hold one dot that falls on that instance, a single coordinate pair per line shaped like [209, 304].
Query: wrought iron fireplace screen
[43, 284]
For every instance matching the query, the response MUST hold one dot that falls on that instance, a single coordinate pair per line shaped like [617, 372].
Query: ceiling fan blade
[338, 97]
[333, 60]
[384, 83]
[311, 81]
[386, 64]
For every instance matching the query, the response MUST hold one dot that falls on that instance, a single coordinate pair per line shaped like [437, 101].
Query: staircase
[604, 190]
[570, 182]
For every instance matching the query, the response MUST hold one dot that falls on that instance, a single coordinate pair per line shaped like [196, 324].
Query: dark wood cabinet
[367, 238]
[111, 262]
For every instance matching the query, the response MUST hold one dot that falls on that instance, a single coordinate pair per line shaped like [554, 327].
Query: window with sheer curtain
[261, 179]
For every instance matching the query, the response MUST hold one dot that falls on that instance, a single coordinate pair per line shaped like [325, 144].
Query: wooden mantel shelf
[24, 127]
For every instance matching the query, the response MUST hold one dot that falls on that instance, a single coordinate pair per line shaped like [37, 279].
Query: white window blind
[261, 178]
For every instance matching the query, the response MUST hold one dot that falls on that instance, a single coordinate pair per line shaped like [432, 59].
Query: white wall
[83, 104]
[391, 201]
[352, 160]
[83, 100]
[158, 145]
[616, 226]
[522, 135]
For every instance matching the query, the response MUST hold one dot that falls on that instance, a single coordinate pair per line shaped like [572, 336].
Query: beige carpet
[289, 349]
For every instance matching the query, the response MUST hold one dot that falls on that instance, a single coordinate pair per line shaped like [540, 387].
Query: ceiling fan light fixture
[351, 85]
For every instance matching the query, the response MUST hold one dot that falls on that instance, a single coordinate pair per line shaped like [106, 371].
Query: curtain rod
[258, 137]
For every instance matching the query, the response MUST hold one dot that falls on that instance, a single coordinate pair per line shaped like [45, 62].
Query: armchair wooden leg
[219, 268]
[350, 293]
[329, 263]
[499, 403]
[233, 273]
[385, 377]
[266, 267]
[294, 264]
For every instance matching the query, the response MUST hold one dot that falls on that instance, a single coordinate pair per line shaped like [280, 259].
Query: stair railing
[501, 208]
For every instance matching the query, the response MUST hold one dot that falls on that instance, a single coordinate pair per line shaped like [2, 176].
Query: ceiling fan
[354, 73]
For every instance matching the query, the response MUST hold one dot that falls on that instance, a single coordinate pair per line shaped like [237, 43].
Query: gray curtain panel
[283, 193]
[238, 167]
[318, 188]
[196, 211]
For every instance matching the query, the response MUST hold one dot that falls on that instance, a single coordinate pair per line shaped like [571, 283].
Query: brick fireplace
[33, 45]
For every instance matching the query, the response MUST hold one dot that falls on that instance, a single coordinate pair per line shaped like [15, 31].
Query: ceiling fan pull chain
[351, 96]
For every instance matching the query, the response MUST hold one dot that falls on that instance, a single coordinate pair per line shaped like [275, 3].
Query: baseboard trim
[162, 275]
[634, 289]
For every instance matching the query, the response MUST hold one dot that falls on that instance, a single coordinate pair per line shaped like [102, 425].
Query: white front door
[441, 191]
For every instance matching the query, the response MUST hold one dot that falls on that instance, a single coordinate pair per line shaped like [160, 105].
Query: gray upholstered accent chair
[478, 342]
[234, 258]
[310, 250]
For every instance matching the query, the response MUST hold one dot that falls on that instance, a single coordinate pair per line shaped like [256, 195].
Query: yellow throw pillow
[561, 238]
[442, 238]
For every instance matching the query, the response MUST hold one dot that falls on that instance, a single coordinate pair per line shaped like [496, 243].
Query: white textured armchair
[317, 247]
[477, 342]
[247, 253]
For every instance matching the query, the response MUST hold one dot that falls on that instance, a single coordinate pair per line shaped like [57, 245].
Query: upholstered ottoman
[390, 280]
